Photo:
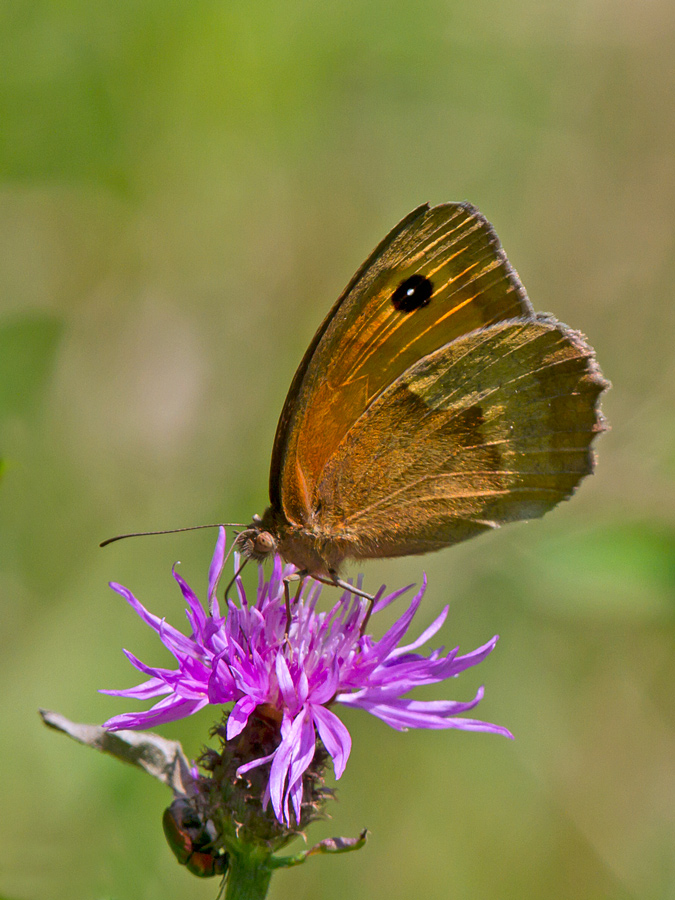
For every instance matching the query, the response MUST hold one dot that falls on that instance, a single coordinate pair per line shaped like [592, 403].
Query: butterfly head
[255, 542]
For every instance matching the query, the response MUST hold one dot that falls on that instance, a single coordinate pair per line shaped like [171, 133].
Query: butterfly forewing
[439, 275]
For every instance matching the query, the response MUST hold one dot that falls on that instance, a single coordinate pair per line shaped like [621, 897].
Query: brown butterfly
[432, 405]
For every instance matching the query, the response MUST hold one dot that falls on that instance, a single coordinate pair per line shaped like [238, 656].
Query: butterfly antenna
[121, 537]
[235, 576]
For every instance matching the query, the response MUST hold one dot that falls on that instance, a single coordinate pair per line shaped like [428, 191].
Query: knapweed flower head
[296, 672]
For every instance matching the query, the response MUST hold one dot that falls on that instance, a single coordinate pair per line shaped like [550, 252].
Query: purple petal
[391, 637]
[383, 602]
[216, 567]
[402, 714]
[176, 642]
[143, 691]
[285, 680]
[477, 725]
[195, 613]
[295, 796]
[254, 763]
[472, 659]
[150, 619]
[291, 738]
[238, 718]
[166, 711]
[302, 757]
[335, 737]
[164, 675]
[324, 692]
[424, 637]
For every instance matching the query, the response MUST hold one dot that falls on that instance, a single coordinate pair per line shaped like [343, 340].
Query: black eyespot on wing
[412, 293]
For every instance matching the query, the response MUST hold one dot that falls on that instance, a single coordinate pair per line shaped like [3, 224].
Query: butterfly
[432, 405]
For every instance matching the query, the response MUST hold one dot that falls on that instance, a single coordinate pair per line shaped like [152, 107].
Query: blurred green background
[185, 188]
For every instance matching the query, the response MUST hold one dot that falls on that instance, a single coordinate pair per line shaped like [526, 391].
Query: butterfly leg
[287, 600]
[300, 577]
[338, 582]
[234, 578]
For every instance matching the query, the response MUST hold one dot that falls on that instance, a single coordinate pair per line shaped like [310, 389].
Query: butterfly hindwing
[493, 427]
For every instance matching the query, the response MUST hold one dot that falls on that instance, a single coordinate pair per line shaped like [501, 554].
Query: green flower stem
[249, 874]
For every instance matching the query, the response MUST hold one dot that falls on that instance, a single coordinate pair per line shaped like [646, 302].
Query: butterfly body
[432, 405]
[308, 546]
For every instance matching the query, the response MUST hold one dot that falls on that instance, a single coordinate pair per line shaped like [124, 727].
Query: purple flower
[296, 672]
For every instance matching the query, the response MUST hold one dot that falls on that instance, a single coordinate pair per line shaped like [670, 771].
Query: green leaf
[28, 347]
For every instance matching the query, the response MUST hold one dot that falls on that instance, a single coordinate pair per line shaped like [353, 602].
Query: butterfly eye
[264, 543]
[412, 293]
[255, 544]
